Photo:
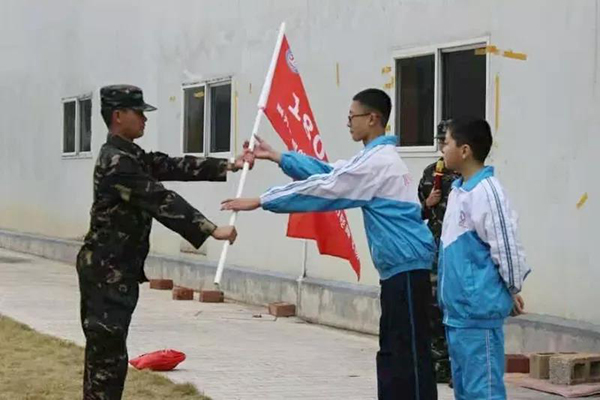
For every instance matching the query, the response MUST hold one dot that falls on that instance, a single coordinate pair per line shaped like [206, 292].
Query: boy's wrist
[275, 157]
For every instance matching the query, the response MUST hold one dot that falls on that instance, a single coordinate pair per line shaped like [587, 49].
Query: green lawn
[38, 366]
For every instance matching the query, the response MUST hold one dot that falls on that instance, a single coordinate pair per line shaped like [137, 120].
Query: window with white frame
[436, 84]
[207, 118]
[77, 125]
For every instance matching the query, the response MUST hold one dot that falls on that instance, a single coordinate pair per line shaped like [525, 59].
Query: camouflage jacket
[435, 214]
[127, 195]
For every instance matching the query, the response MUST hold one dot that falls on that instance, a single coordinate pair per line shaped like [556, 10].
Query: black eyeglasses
[351, 117]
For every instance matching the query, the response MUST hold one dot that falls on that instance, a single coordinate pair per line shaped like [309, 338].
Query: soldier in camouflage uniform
[434, 206]
[127, 196]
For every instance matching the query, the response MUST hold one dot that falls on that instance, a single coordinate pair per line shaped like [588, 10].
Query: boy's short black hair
[377, 100]
[475, 132]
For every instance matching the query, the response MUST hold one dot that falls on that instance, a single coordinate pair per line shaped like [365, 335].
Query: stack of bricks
[539, 365]
[566, 368]
[573, 369]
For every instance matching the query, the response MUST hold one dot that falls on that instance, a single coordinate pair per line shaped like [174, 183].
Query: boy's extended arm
[351, 185]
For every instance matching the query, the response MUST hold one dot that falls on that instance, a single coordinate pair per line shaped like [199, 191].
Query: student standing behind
[433, 202]
[481, 263]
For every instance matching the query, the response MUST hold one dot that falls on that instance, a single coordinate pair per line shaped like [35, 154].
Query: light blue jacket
[378, 181]
[481, 261]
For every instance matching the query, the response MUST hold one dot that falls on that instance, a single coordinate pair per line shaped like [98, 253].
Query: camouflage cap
[124, 96]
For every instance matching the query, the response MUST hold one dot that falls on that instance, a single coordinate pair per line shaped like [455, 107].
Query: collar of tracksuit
[469, 185]
[383, 139]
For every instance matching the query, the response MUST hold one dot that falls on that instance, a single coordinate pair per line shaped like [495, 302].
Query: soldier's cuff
[198, 232]
[222, 169]
[207, 227]
[215, 169]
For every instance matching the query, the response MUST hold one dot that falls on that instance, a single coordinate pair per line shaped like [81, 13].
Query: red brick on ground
[161, 284]
[182, 293]
[211, 296]
[282, 309]
[517, 363]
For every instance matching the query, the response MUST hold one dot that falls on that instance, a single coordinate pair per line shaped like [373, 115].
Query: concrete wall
[328, 302]
[544, 145]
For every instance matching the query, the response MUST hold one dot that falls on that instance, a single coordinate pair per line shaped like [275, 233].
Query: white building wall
[545, 145]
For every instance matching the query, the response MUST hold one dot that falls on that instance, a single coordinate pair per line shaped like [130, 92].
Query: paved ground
[231, 353]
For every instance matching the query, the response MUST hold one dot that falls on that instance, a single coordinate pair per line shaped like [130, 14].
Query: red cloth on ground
[162, 360]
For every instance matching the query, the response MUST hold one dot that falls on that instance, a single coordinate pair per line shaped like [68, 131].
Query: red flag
[287, 107]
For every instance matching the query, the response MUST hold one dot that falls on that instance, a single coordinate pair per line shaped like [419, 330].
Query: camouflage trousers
[439, 345]
[106, 310]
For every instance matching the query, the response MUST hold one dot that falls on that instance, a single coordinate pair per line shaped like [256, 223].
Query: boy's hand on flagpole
[241, 204]
[264, 151]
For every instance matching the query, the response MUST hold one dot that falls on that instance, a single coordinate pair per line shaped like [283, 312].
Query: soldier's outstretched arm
[190, 168]
[127, 181]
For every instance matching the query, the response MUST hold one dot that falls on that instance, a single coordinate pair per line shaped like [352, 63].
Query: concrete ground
[234, 351]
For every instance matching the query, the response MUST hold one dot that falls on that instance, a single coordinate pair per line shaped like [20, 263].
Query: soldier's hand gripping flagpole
[263, 96]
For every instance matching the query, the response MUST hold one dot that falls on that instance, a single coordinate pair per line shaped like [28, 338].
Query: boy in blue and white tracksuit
[376, 180]
[481, 264]
[402, 247]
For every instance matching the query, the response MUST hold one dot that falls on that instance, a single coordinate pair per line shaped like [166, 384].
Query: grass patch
[37, 366]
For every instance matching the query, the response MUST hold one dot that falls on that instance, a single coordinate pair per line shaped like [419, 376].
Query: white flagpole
[264, 95]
